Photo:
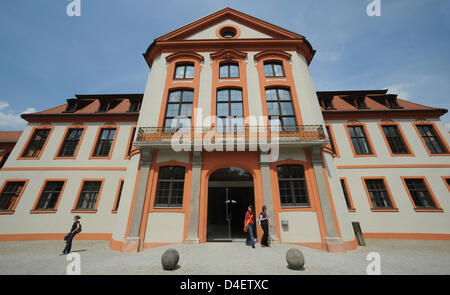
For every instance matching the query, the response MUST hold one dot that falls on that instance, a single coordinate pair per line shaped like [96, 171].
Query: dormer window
[134, 105]
[104, 106]
[71, 106]
[392, 103]
[328, 103]
[184, 71]
[360, 103]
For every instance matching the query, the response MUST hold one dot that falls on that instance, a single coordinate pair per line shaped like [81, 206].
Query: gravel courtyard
[397, 257]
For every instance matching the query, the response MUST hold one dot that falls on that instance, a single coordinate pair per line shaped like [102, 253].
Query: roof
[373, 100]
[176, 40]
[9, 136]
[88, 105]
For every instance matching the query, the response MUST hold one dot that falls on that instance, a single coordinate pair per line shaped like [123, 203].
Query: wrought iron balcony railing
[248, 133]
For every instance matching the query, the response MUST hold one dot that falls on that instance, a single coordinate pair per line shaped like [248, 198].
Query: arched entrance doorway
[230, 192]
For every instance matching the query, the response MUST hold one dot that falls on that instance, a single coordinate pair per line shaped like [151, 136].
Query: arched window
[184, 71]
[292, 185]
[273, 69]
[229, 70]
[169, 192]
[179, 105]
[230, 108]
[280, 109]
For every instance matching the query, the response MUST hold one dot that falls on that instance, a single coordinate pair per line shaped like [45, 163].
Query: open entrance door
[230, 192]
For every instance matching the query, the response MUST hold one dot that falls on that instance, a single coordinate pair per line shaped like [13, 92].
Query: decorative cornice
[228, 54]
[272, 53]
[185, 54]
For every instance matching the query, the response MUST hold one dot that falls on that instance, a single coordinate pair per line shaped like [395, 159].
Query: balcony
[301, 135]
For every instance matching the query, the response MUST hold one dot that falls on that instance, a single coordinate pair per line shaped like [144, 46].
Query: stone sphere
[295, 259]
[169, 259]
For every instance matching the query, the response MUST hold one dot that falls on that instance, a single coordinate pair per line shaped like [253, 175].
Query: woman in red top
[249, 223]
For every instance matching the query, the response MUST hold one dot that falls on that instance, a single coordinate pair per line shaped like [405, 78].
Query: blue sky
[47, 56]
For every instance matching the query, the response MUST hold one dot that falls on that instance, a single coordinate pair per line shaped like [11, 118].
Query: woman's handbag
[247, 223]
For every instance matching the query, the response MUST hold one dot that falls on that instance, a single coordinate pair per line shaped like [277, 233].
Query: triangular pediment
[248, 27]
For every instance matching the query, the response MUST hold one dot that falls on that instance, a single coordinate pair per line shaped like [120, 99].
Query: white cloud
[9, 120]
[401, 90]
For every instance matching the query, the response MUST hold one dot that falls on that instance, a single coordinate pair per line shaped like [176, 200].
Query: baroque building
[230, 117]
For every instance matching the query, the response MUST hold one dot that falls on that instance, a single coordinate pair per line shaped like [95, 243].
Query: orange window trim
[432, 196]
[21, 157]
[121, 180]
[268, 82]
[149, 204]
[393, 166]
[399, 128]
[174, 84]
[369, 140]
[16, 202]
[34, 210]
[237, 83]
[130, 140]
[154, 182]
[388, 190]
[277, 198]
[56, 157]
[444, 179]
[97, 137]
[438, 134]
[350, 199]
[332, 138]
[74, 209]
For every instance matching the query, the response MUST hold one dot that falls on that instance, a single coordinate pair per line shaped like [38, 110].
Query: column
[194, 205]
[267, 196]
[325, 203]
[132, 241]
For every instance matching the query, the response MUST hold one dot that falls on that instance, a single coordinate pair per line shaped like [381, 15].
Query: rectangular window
[432, 141]
[89, 195]
[292, 185]
[229, 70]
[134, 105]
[273, 69]
[104, 106]
[280, 109]
[328, 103]
[36, 143]
[10, 194]
[119, 194]
[346, 196]
[104, 142]
[71, 142]
[420, 194]
[378, 194]
[179, 109]
[130, 144]
[333, 147]
[170, 189]
[359, 140]
[50, 195]
[230, 109]
[184, 71]
[394, 139]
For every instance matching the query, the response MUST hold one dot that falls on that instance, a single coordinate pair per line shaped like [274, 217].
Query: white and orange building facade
[346, 160]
